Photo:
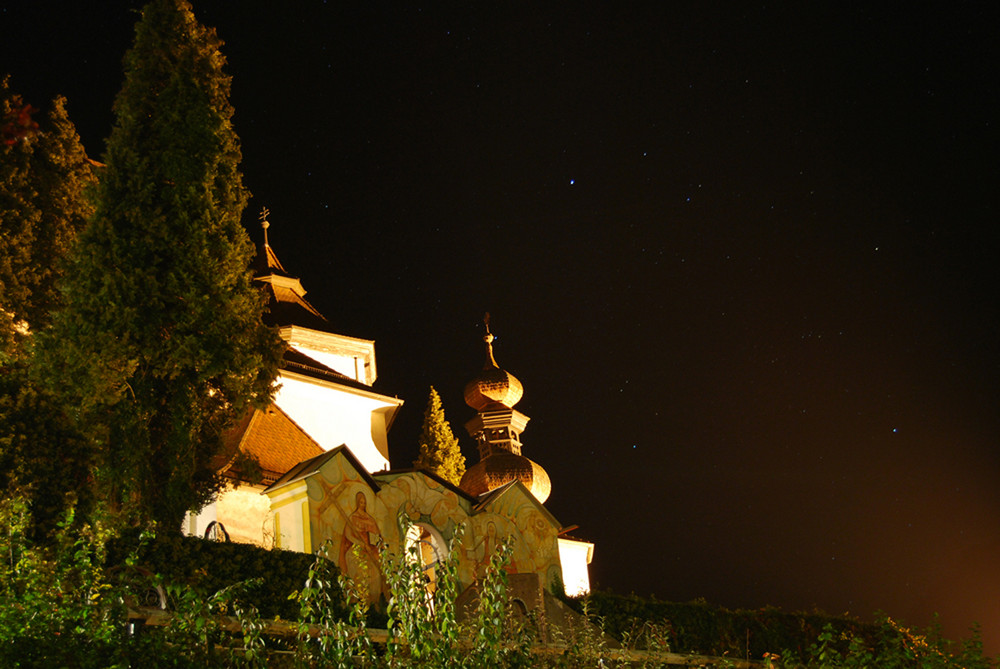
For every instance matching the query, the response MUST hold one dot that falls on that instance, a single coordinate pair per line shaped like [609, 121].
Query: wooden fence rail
[280, 628]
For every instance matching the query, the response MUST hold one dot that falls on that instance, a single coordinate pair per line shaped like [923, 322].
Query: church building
[314, 467]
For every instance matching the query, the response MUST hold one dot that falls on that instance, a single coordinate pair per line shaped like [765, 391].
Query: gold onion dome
[493, 387]
[500, 469]
[497, 429]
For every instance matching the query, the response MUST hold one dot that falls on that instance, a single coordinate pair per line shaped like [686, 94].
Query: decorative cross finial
[488, 340]
[263, 222]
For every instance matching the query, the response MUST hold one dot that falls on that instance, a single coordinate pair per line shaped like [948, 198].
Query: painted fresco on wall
[515, 513]
[343, 510]
[357, 519]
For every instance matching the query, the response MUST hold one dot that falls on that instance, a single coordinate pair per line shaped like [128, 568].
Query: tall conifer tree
[44, 173]
[160, 345]
[439, 449]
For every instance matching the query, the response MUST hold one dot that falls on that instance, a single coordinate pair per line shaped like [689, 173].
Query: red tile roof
[274, 439]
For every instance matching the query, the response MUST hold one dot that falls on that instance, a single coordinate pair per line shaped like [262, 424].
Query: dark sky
[744, 261]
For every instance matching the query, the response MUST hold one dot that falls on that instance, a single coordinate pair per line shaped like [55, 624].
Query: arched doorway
[427, 545]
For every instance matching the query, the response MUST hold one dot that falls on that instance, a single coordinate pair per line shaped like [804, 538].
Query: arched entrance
[425, 543]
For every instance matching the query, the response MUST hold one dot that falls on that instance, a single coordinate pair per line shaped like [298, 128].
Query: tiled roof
[286, 302]
[266, 262]
[274, 439]
[287, 307]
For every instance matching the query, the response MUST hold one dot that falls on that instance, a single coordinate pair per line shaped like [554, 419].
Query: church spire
[488, 339]
[286, 296]
[267, 263]
[497, 430]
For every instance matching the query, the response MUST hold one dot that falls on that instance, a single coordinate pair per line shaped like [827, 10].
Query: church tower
[497, 430]
[324, 400]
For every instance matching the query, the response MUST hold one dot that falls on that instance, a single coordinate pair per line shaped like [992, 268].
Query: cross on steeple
[263, 222]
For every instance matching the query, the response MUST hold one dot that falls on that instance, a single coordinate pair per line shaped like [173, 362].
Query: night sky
[743, 259]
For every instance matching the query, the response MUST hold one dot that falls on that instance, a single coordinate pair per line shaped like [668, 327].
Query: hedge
[209, 566]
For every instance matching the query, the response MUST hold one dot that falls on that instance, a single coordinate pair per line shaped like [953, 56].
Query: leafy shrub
[61, 606]
[783, 639]
[209, 566]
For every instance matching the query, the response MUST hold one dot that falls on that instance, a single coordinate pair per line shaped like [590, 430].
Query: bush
[208, 567]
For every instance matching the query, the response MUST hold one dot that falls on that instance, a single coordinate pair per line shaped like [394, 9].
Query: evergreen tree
[44, 173]
[439, 449]
[44, 176]
[19, 216]
[160, 345]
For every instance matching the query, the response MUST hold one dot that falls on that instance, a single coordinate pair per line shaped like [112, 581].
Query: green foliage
[57, 607]
[42, 457]
[422, 625]
[492, 612]
[159, 345]
[209, 566]
[65, 604]
[586, 645]
[780, 639]
[888, 645]
[698, 627]
[424, 628]
[325, 638]
[439, 449]
[197, 635]
[44, 177]
[60, 605]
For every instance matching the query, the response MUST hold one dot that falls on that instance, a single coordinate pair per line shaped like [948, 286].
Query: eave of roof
[431, 475]
[313, 465]
[489, 498]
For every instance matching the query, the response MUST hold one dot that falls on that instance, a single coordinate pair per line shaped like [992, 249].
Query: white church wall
[245, 513]
[333, 417]
[575, 556]
[195, 524]
[349, 365]
[354, 358]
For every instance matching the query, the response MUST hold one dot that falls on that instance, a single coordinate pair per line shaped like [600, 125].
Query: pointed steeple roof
[286, 304]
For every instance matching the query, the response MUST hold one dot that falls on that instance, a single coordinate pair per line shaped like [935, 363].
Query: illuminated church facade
[319, 455]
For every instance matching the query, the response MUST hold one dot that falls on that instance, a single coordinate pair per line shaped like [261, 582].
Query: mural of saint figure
[359, 547]
[484, 549]
[358, 531]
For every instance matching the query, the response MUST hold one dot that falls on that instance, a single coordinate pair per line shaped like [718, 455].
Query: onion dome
[500, 469]
[497, 431]
[493, 387]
